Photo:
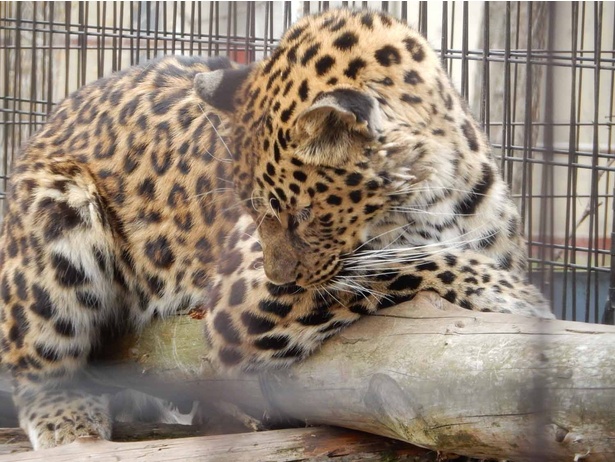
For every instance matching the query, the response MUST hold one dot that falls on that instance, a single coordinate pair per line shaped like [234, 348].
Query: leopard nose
[280, 268]
[279, 275]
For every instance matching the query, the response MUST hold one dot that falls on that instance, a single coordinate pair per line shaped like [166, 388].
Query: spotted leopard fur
[341, 175]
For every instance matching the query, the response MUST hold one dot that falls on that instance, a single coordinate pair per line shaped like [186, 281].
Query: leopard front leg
[468, 279]
[254, 324]
[59, 287]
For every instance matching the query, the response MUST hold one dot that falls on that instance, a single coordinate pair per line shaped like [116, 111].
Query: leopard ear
[337, 124]
[219, 88]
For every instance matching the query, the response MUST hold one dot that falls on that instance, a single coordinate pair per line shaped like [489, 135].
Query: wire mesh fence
[539, 76]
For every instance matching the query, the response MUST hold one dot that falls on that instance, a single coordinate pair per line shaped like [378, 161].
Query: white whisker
[412, 189]
[258, 225]
[213, 191]
[344, 284]
[334, 297]
[405, 209]
[380, 235]
[230, 158]
[274, 212]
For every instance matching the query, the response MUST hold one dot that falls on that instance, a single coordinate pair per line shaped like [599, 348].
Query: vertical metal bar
[526, 177]
[246, 43]
[211, 29]
[192, 26]
[484, 100]
[249, 33]
[102, 47]
[444, 41]
[84, 29]
[610, 259]
[578, 125]
[546, 189]
[50, 67]
[16, 122]
[229, 28]
[148, 26]
[67, 27]
[268, 8]
[114, 40]
[288, 18]
[182, 25]
[200, 28]
[137, 48]
[235, 37]
[131, 33]
[581, 73]
[594, 212]
[174, 29]
[569, 255]
[506, 139]
[452, 42]
[217, 29]
[120, 45]
[513, 107]
[464, 53]
[253, 42]
[255, 37]
[156, 27]
[44, 62]
[164, 28]
[423, 18]
[33, 73]
[6, 10]
[80, 45]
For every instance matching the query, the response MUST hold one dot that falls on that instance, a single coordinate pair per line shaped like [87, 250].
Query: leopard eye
[302, 216]
[274, 203]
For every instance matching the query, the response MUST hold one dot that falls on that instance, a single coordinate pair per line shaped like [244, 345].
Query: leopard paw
[521, 298]
[61, 417]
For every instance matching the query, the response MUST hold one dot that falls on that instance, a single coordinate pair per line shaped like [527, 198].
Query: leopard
[286, 199]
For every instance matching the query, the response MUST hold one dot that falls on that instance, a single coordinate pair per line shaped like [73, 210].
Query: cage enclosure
[539, 76]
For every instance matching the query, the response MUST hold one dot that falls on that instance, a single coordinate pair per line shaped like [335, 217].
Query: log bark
[425, 372]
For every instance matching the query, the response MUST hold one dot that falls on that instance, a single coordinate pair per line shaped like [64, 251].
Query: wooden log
[292, 445]
[425, 372]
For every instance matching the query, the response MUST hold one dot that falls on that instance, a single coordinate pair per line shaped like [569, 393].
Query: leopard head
[317, 158]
